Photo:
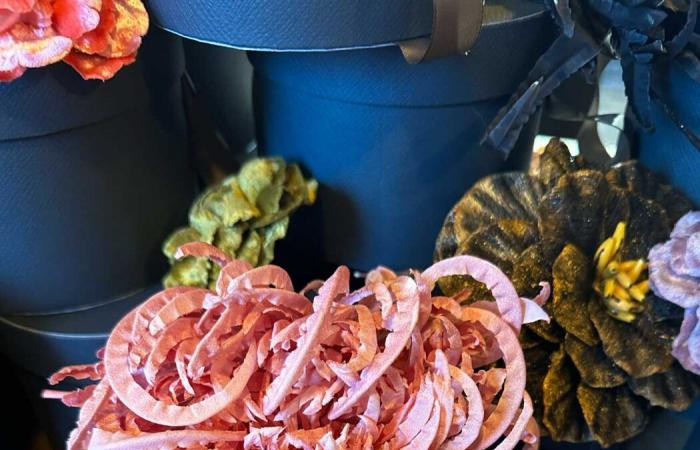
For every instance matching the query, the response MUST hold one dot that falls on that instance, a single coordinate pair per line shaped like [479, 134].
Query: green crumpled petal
[261, 180]
[271, 234]
[244, 216]
[229, 239]
[188, 272]
[251, 248]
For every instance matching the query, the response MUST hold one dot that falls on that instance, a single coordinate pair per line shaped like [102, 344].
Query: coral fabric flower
[96, 37]
[674, 273]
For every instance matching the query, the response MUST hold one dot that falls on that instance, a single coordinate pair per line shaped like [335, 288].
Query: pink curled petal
[407, 317]
[428, 432]
[682, 290]
[265, 276]
[172, 439]
[182, 305]
[448, 304]
[444, 394]
[313, 285]
[229, 272]
[513, 438]
[357, 296]
[687, 225]
[336, 285]
[533, 312]
[89, 413]
[79, 372]
[185, 348]
[531, 437]
[167, 341]
[368, 340]
[74, 398]
[544, 294]
[512, 394]
[495, 280]
[142, 403]
[203, 250]
[475, 414]
[380, 275]
[419, 414]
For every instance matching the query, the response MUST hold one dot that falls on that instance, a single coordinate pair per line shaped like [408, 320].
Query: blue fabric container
[667, 151]
[40, 345]
[94, 176]
[393, 145]
[223, 83]
[299, 25]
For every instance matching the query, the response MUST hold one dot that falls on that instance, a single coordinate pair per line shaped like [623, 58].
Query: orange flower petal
[25, 46]
[10, 75]
[95, 67]
[18, 6]
[8, 19]
[122, 24]
[73, 18]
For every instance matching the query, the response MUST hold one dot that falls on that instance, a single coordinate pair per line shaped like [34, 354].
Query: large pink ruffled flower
[674, 274]
[96, 37]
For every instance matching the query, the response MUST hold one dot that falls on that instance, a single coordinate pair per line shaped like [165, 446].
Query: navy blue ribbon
[641, 33]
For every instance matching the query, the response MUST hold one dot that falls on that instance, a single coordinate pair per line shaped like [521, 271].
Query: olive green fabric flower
[592, 376]
[244, 216]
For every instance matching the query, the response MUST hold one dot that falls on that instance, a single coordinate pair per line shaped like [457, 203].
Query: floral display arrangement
[243, 216]
[95, 37]
[254, 364]
[597, 369]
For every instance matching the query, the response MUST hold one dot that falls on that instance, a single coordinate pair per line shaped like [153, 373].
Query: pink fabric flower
[674, 274]
[96, 37]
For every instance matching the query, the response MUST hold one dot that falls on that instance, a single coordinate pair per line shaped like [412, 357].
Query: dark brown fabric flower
[592, 376]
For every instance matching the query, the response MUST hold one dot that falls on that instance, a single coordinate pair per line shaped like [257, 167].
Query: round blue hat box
[222, 79]
[299, 25]
[667, 151]
[392, 145]
[94, 176]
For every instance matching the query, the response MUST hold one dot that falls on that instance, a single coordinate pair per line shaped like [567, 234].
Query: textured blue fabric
[56, 98]
[390, 161]
[85, 211]
[297, 24]
[667, 151]
[92, 178]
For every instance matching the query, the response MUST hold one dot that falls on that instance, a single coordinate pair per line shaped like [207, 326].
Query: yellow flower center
[623, 285]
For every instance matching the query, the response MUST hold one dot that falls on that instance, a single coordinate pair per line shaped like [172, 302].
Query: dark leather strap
[456, 26]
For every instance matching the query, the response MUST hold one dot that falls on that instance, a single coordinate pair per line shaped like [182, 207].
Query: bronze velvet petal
[613, 415]
[553, 163]
[673, 389]
[562, 414]
[533, 266]
[512, 195]
[501, 243]
[573, 209]
[537, 362]
[648, 225]
[633, 177]
[572, 288]
[595, 368]
[634, 347]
